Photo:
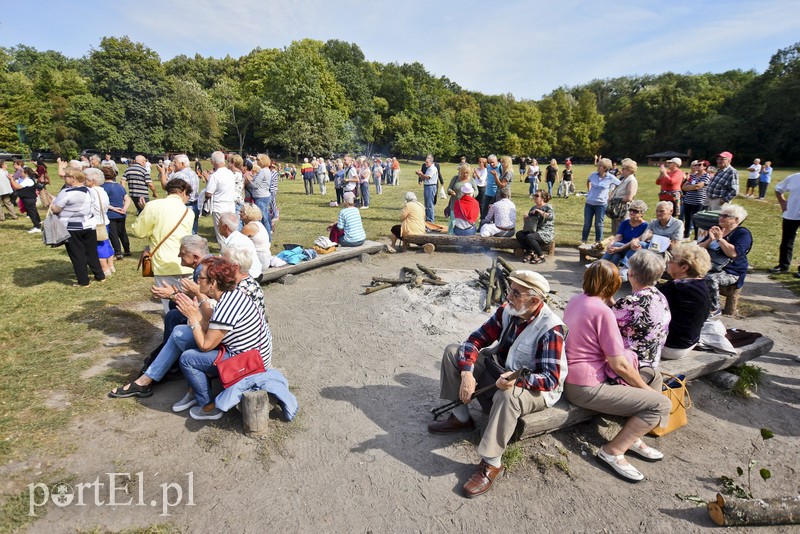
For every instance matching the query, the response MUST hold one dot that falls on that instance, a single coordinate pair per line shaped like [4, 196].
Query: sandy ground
[359, 459]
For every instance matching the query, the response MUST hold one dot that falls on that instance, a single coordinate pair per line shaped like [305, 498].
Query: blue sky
[527, 48]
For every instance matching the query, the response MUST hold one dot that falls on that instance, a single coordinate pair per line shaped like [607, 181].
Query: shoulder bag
[233, 369]
[719, 260]
[101, 230]
[675, 390]
[146, 259]
[54, 231]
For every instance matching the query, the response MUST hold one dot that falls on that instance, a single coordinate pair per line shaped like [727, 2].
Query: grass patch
[749, 379]
[547, 462]
[514, 457]
[159, 528]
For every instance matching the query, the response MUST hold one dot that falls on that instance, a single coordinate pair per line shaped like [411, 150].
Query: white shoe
[364, 207]
[185, 403]
[626, 472]
[35, 231]
[642, 450]
[624, 274]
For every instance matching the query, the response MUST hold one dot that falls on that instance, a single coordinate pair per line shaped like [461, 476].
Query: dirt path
[358, 457]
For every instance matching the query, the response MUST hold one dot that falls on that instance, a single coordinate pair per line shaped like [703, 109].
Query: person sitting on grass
[412, 219]
[501, 217]
[348, 229]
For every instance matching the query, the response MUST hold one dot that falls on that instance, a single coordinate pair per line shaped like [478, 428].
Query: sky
[526, 48]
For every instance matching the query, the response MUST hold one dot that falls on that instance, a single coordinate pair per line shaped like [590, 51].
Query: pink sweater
[593, 335]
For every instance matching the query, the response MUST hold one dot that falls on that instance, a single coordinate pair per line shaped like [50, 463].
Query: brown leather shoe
[481, 480]
[451, 424]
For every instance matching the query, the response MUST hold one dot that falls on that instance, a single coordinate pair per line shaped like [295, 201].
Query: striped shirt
[137, 179]
[245, 325]
[190, 177]
[350, 221]
[697, 197]
[76, 204]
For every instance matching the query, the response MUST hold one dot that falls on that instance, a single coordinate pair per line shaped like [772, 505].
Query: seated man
[231, 236]
[501, 217]
[663, 233]
[522, 333]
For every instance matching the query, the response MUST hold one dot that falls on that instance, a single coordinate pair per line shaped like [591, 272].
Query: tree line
[320, 98]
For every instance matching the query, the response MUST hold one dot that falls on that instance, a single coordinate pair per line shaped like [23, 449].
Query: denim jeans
[619, 258]
[196, 366]
[263, 204]
[193, 206]
[598, 212]
[340, 195]
[365, 194]
[429, 193]
[464, 231]
[182, 339]
[534, 184]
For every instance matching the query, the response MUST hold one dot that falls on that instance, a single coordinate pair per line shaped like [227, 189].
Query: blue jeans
[464, 231]
[263, 204]
[619, 258]
[429, 193]
[365, 194]
[181, 339]
[533, 186]
[196, 366]
[193, 206]
[598, 212]
[550, 188]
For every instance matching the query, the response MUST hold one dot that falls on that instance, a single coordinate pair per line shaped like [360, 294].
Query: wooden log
[510, 268]
[490, 288]
[755, 512]
[464, 241]
[395, 281]
[503, 283]
[430, 272]
[432, 282]
[341, 254]
[255, 412]
[373, 289]
[409, 270]
[429, 248]
[497, 295]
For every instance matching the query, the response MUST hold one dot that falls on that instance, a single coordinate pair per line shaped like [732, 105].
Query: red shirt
[672, 181]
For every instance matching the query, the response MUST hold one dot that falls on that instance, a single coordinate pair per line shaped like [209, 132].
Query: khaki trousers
[507, 406]
[9, 206]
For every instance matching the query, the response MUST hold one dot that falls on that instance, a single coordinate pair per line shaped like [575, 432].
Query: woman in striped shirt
[694, 194]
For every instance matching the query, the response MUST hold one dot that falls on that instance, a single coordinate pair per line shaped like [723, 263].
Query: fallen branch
[373, 289]
[755, 512]
[434, 282]
[430, 272]
[394, 281]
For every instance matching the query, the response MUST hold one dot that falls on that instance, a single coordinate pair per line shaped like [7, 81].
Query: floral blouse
[643, 319]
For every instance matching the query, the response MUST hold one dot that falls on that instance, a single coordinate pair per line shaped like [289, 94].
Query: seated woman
[501, 217]
[254, 229]
[455, 191]
[643, 316]
[628, 234]
[348, 229]
[412, 219]
[602, 374]
[728, 245]
[538, 229]
[466, 212]
[688, 299]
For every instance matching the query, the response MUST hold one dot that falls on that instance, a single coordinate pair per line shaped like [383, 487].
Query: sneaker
[35, 231]
[779, 270]
[201, 414]
[364, 207]
[715, 313]
[185, 403]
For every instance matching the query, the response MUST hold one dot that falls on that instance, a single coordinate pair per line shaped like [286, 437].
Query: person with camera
[524, 333]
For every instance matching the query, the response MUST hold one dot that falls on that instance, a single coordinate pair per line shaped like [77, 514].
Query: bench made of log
[466, 241]
[697, 364]
[341, 254]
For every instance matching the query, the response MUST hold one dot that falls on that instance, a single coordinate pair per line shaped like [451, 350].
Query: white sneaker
[186, 402]
[364, 207]
[199, 413]
[35, 231]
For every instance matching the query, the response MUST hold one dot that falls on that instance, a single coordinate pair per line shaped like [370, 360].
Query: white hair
[240, 256]
[195, 243]
[665, 204]
[217, 157]
[736, 210]
[94, 176]
[229, 220]
[181, 158]
[411, 197]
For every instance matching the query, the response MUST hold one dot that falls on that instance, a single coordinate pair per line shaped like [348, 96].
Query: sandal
[133, 390]
[645, 452]
[625, 472]
[528, 259]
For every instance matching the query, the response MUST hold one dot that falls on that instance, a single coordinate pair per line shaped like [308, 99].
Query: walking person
[118, 204]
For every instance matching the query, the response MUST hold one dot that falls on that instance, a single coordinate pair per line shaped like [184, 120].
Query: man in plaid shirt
[524, 332]
[725, 184]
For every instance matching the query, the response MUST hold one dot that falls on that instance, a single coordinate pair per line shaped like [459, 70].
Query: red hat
[726, 155]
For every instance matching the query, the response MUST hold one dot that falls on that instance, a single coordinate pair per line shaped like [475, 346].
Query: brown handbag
[146, 259]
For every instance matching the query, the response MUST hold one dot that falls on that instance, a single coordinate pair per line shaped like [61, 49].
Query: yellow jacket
[155, 222]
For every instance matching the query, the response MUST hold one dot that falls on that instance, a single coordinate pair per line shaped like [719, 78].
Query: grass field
[53, 335]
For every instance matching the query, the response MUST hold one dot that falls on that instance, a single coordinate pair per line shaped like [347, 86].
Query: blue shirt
[350, 221]
[598, 194]
[628, 232]
[766, 175]
[491, 184]
[116, 197]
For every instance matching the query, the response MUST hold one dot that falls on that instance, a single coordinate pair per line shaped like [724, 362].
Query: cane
[437, 412]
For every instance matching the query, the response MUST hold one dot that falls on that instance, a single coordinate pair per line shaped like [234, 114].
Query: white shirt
[791, 185]
[100, 205]
[222, 186]
[238, 239]
[5, 185]
[432, 175]
[753, 174]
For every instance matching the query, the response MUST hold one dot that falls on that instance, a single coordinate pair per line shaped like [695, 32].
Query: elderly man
[108, 162]
[724, 186]
[183, 171]
[136, 179]
[429, 178]
[221, 190]
[307, 170]
[791, 221]
[753, 172]
[493, 168]
[524, 332]
[231, 236]
[670, 178]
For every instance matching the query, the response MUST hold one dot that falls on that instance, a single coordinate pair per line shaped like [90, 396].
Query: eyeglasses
[537, 196]
[631, 210]
[726, 216]
[515, 293]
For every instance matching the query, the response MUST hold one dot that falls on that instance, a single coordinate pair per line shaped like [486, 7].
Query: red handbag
[233, 369]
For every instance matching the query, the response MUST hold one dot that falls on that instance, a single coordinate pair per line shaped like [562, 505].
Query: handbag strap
[153, 253]
[688, 399]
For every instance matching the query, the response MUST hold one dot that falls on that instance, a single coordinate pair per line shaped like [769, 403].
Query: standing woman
[363, 179]
[262, 196]
[551, 175]
[236, 165]
[100, 203]
[694, 194]
[117, 212]
[73, 205]
[567, 185]
[480, 173]
[620, 199]
[454, 190]
[504, 181]
[26, 193]
[534, 175]
[599, 184]
[538, 228]
[42, 181]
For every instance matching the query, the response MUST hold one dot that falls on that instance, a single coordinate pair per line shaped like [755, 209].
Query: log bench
[697, 364]
[470, 241]
[340, 254]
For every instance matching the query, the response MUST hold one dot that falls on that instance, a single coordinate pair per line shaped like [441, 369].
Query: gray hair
[181, 158]
[734, 209]
[94, 157]
[229, 220]
[628, 163]
[646, 267]
[693, 256]
[665, 204]
[240, 256]
[195, 243]
[411, 197]
[94, 176]
[251, 212]
[217, 157]
[349, 199]
[640, 205]
[606, 163]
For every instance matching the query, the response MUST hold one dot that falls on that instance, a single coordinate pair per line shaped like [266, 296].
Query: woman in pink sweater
[603, 376]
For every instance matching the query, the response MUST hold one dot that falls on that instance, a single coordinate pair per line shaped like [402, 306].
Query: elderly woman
[466, 212]
[688, 299]
[412, 219]
[117, 212]
[73, 205]
[534, 177]
[628, 234]
[348, 230]
[364, 175]
[100, 206]
[261, 192]
[501, 218]
[599, 184]
[603, 375]
[338, 182]
[643, 316]
[454, 191]
[619, 200]
[728, 245]
[505, 180]
[538, 228]
[26, 193]
[254, 229]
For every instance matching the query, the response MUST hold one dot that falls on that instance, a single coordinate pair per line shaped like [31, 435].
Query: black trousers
[788, 235]
[762, 189]
[119, 236]
[531, 241]
[82, 250]
[689, 211]
[33, 213]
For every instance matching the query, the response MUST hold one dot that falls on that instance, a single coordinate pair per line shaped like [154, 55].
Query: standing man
[725, 184]
[524, 332]
[136, 179]
[791, 221]
[322, 174]
[221, 190]
[752, 178]
[429, 179]
[395, 171]
[181, 165]
[670, 178]
[765, 177]
[108, 162]
[307, 170]
[493, 170]
[5, 194]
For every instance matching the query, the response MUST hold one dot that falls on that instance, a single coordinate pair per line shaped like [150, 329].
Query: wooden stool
[551, 248]
[731, 294]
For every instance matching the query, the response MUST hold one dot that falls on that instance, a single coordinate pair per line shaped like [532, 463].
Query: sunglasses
[726, 216]
[634, 211]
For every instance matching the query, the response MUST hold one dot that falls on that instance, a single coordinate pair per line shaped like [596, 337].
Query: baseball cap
[676, 161]
[726, 155]
[531, 280]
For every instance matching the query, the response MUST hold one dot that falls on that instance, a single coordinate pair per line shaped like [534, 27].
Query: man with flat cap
[523, 332]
